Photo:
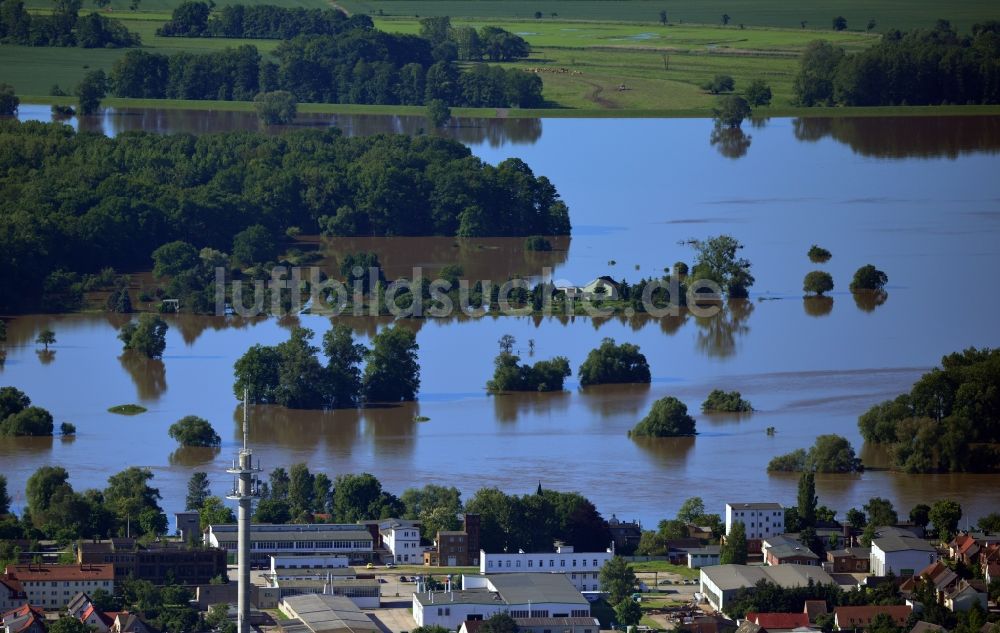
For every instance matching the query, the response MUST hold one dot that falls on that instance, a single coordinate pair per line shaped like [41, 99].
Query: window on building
[530, 562]
[562, 562]
[517, 563]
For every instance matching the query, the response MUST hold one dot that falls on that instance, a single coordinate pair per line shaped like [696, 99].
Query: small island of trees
[868, 278]
[148, 337]
[819, 255]
[948, 422]
[818, 282]
[194, 431]
[668, 417]
[291, 375]
[830, 454]
[612, 363]
[719, 401]
[509, 375]
[18, 418]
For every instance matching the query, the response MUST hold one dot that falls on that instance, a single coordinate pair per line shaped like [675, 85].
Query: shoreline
[535, 113]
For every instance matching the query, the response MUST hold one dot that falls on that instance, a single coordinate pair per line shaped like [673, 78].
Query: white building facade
[519, 595]
[315, 539]
[900, 555]
[580, 568]
[51, 587]
[402, 539]
[761, 520]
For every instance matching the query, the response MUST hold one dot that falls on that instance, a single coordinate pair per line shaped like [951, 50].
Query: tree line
[263, 21]
[75, 203]
[356, 65]
[948, 422]
[63, 27]
[508, 522]
[918, 67]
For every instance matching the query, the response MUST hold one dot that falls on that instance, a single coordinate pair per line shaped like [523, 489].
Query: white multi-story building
[51, 587]
[11, 593]
[580, 568]
[900, 555]
[402, 539]
[760, 520]
[519, 595]
[314, 539]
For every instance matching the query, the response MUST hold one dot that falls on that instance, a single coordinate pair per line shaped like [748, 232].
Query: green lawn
[817, 13]
[664, 566]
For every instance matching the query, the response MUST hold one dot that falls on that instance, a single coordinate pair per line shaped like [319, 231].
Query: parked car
[390, 565]
[369, 566]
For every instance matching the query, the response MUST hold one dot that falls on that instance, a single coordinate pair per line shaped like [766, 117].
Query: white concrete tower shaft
[246, 488]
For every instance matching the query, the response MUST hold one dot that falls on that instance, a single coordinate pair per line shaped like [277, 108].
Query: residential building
[927, 627]
[786, 550]
[845, 618]
[814, 609]
[625, 534]
[604, 287]
[779, 622]
[324, 614]
[965, 594]
[703, 556]
[991, 572]
[521, 595]
[900, 555]
[850, 560]
[83, 609]
[456, 548]
[760, 520]
[314, 539]
[126, 622]
[24, 619]
[580, 568]
[11, 593]
[53, 586]
[720, 583]
[542, 625]
[402, 539]
[160, 562]
[187, 525]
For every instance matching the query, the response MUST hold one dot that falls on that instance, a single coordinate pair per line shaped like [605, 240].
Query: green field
[902, 14]
[609, 68]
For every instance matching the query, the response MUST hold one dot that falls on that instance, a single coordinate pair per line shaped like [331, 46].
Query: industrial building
[580, 568]
[720, 583]
[316, 539]
[900, 555]
[324, 614]
[160, 562]
[521, 595]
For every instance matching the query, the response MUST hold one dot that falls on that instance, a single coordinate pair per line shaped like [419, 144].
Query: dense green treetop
[668, 417]
[81, 202]
[611, 363]
[950, 419]
[719, 401]
[194, 431]
[829, 454]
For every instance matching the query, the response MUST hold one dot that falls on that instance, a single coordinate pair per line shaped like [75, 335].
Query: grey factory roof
[513, 589]
[315, 532]
[523, 588]
[755, 506]
[731, 577]
[329, 614]
[787, 550]
[902, 544]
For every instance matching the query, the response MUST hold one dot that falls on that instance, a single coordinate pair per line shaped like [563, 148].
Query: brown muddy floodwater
[918, 197]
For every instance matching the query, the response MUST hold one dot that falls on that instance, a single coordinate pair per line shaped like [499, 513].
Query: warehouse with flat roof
[720, 583]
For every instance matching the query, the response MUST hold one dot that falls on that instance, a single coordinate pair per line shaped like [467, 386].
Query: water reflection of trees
[732, 142]
[508, 407]
[390, 428]
[817, 306]
[904, 137]
[718, 335]
[495, 259]
[46, 356]
[868, 301]
[148, 375]
[671, 452]
[495, 132]
[616, 400]
[192, 456]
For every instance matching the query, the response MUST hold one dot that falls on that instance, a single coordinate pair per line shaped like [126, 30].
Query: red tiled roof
[779, 620]
[24, 617]
[11, 583]
[851, 617]
[26, 573]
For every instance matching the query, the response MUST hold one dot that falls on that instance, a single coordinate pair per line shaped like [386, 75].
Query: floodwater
[918, 197]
